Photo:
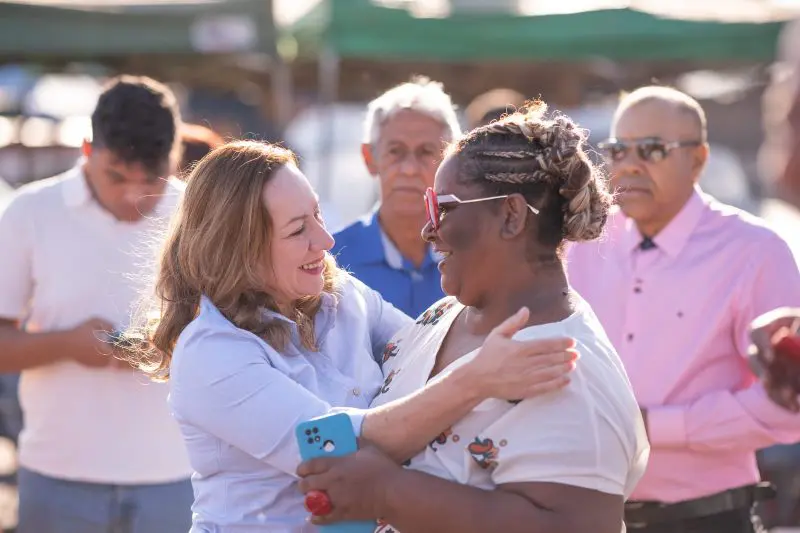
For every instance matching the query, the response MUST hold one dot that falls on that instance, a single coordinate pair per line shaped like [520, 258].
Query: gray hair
[421, 95]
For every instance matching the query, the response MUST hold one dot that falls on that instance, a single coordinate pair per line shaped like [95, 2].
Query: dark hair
[545, 161]
[196, 142]
[137, 119]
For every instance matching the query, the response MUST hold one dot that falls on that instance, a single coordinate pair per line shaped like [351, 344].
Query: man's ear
[515, 215]
[369, 159]
[699, 159]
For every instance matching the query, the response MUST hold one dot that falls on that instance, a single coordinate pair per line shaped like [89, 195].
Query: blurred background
[300, 72]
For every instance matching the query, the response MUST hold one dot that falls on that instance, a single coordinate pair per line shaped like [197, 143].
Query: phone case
[331, 436]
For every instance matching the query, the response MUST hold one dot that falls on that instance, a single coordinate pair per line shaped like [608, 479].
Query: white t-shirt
[589, 434]
[65, 260]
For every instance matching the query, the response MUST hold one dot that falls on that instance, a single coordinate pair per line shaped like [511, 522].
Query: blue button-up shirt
[238, 400]
[364, 249]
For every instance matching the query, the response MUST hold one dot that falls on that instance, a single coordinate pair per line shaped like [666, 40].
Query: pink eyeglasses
[432, 203]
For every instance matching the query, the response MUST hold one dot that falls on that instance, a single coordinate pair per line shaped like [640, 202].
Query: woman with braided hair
[507, 199]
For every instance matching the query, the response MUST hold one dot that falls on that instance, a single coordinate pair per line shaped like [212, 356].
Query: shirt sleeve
[384, 320]
[745, 419]
[16, 244]
[562, 437]
[224, 385]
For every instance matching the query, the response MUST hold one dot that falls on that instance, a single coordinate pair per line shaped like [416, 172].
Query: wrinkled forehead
[412, 127]
[655, 119]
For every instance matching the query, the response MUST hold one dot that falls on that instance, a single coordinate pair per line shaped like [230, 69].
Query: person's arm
[20, 350]
[568, 476]
[440, 505]
[504, 368]
[225, 384]
[367, 485]
[780, 375]
[87, 344]
[744, 419]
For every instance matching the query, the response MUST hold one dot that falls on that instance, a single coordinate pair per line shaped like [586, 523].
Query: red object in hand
[318, 503]
[786, 344]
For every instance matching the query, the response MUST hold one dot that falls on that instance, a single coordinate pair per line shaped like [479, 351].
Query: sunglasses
[434, 203]
[651, 149]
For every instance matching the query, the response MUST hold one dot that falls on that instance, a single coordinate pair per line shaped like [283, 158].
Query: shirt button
[637, 290]
[630, 337]
[356, 391]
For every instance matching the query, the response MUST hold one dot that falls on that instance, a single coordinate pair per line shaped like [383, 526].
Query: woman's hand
[779, 375]
[514, 370]
[355, 484]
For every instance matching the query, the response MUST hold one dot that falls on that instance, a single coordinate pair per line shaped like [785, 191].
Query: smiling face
[653, 192]
[405, 158]
[468, 237]
[299, 240]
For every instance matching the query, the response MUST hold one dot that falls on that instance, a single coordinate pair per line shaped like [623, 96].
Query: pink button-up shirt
[679, 314]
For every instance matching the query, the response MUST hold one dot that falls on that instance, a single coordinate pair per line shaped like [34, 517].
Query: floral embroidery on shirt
[390, 350]
[388, 381]
[432, 315]
[484, 452]
[384, 527]
[441, 440]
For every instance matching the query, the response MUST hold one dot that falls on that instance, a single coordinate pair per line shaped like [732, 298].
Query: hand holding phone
[329, 436]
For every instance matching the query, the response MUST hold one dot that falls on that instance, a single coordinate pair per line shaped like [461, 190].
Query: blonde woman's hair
[216, 247]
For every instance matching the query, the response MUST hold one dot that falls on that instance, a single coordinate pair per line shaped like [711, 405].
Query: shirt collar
[322, 320]
[392, 255]
[327, 304]
[76, 190]
[674, 236]
[372, 249]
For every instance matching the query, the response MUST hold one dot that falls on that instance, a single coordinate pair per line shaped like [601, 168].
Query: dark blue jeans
[49, 505]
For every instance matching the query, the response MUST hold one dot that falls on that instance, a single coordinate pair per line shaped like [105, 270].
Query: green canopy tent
[98, 30]
[219, 43]
[365, 29]
[336, 30]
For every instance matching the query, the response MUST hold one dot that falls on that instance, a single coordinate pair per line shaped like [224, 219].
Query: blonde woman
[257, 330]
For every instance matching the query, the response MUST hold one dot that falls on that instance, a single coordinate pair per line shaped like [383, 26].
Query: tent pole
[328, 95]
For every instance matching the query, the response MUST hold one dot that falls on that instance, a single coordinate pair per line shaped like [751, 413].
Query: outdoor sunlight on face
[299, 239]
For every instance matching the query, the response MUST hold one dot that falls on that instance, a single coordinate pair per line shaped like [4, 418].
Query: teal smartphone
[331, 436]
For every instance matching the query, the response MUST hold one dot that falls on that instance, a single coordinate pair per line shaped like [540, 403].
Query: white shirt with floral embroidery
[589, 434]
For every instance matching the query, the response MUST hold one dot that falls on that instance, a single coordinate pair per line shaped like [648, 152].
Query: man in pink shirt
[676, 283]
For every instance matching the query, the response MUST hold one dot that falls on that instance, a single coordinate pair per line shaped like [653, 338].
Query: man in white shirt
[99, 451]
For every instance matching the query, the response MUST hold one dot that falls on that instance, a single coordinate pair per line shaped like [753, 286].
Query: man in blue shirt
[404, 134]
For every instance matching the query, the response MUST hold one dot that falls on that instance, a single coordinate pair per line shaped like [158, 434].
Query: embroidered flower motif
[433, 314]
[484, 452]
[388, 381]
[384, 527]
[390, 350]
[441, 440]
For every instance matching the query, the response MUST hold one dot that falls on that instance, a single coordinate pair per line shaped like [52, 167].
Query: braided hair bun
[526, 149]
